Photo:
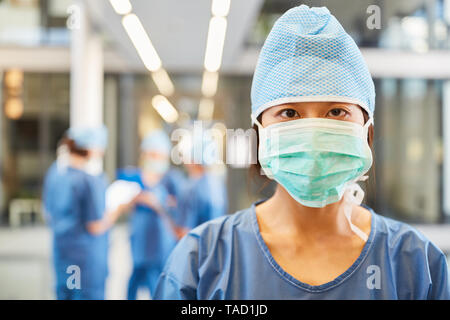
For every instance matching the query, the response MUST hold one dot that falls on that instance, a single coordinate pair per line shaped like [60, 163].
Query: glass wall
[35, 113]
[34, 22]
[408, 150]
[32, 123]
[417, 25]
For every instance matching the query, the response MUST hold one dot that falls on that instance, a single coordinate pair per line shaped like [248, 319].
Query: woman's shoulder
[403, 236]
[211, 238]
[409, 248]
[394, 228]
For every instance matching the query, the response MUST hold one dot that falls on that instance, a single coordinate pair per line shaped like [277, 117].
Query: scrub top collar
[310, 288]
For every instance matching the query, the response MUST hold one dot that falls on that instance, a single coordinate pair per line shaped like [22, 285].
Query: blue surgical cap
[308, 57]
[156, 141]
[89, 137]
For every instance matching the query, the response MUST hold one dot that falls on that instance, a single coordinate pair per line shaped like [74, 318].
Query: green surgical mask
[315, 159]
[156, 166]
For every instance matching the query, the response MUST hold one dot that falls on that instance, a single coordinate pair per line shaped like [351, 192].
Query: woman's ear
[370, 136]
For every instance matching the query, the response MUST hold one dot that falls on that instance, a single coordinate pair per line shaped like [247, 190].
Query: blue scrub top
[175, 183]
[151, 238]
[228, 259]
[72, 198]
[205, 199]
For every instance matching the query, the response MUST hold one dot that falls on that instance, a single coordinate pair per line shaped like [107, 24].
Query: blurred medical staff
[74, 202]
[152, 230]
[176, 182]
[205, 196]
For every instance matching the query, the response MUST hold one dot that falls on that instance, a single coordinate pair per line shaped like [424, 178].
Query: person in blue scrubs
[151, 226]
[312, 109]
[205, 195]
[74, 202]
[176, 183]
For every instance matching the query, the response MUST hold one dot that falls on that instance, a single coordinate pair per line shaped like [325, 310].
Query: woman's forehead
[315, 104]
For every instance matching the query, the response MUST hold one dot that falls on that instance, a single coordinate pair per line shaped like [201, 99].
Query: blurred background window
[417, 25]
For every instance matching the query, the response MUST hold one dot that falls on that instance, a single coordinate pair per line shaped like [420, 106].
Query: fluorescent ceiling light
[215, 42]
[163, 82]
[121, 7]
[165, 109]
[141, 42]
[220, 8]
[206, 109]
[209, 83]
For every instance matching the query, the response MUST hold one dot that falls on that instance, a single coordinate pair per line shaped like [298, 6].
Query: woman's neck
[283, 214]
[77, 162]
[196, 171]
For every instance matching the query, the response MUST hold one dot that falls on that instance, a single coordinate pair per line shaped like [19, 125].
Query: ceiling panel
[178, 30]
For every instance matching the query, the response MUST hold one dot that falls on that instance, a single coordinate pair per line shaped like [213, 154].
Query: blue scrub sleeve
[440, 287]
[179, 279]
[169, 288]
[90, 207]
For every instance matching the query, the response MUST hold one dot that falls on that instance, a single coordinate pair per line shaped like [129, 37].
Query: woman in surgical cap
[74, 202]
[152, 229]
[312, 104]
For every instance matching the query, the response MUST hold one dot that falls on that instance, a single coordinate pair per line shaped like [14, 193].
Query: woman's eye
[289, 113]
[337, 112]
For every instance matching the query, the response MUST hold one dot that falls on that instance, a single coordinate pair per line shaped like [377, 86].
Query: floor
[26, 270]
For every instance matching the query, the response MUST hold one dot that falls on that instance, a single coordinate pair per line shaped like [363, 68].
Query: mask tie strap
[255, 121]
[262, 136]
[367, 125]
[354, 195]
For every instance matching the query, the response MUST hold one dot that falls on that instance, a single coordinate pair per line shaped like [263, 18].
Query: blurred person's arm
[96, 220]
[100, 226]
[180, 232]
[171, 201]
[150, 200]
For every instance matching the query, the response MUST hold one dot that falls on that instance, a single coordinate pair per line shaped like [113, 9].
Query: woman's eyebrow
[340, 104]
